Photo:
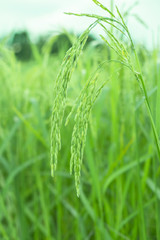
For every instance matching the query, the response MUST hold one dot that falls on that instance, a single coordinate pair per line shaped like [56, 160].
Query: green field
[119, 191]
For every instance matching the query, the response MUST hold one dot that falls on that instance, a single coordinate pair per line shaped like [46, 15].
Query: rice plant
[92, 88]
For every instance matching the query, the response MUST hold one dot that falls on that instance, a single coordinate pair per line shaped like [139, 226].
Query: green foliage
[108, 126]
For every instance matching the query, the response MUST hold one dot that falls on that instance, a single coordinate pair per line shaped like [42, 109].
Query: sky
[47, 16]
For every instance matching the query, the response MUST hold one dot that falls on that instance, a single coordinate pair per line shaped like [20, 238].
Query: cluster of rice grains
[62, 81]
[83, 105]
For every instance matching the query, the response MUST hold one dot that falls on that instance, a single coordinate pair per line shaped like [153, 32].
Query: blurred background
[43, 17]
[120, 190]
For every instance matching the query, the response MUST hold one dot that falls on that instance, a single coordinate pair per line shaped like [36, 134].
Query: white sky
[42, 16]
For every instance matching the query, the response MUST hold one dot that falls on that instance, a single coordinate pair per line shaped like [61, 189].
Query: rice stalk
[91, 91]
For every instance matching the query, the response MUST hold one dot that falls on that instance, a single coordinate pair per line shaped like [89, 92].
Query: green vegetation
[105, 112]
